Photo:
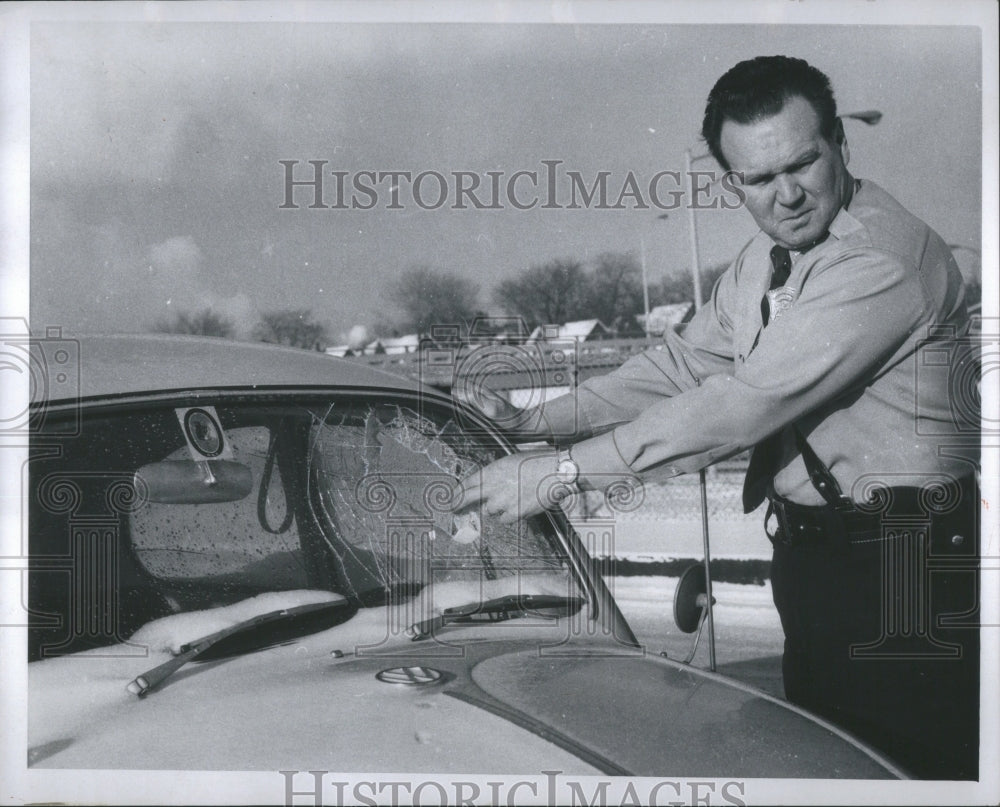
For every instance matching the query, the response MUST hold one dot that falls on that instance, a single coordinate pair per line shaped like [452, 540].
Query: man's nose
[788, 191]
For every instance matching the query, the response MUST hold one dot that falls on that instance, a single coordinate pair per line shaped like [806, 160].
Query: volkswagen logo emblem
[410, 676]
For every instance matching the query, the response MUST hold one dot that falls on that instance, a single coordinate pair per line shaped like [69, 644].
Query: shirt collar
[842, 225]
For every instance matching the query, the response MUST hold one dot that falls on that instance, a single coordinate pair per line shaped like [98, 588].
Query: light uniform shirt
[860, 358]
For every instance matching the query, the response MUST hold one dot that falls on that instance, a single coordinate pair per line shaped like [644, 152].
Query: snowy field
[665, 520]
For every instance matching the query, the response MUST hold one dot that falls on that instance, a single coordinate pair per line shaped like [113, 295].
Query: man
[814, 351]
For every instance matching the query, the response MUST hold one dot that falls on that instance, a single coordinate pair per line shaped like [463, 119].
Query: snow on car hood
[286, 706]
[169, 633]
[508, 699]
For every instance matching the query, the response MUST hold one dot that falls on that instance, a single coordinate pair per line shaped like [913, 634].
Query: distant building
[498, 329]
[584, 330]
[394, 346]
[664, 317]
[340, 351]
[628, 327]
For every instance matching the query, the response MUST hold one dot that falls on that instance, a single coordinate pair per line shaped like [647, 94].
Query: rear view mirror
[189, 482]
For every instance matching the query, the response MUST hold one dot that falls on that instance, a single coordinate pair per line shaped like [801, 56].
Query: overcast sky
[156, 184]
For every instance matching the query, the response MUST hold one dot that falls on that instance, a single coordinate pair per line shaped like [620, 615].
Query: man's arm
[852, 316]
[699, 349]
[510, 488]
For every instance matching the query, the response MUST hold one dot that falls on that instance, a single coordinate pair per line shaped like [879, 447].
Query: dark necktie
[765, 455]
[781, 268]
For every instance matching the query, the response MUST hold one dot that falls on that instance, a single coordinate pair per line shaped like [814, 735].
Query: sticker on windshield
[203, 432]
[467, 528]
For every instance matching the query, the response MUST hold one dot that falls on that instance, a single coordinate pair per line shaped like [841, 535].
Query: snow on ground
[660, 537]
[748, 636]
[666, 521]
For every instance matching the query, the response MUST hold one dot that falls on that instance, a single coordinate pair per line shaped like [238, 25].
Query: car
[246, 557]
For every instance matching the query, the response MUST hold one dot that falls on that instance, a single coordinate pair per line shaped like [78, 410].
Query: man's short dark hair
[758, 88]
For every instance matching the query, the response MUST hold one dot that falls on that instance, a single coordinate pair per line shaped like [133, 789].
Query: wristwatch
[566, 468]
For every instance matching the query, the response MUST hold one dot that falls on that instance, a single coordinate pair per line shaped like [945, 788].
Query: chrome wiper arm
[499, 609]
[149, 680]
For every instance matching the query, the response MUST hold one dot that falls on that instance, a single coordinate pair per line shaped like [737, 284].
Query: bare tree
[199, 323]
[429, 297]
[614, 290]
[679, 287]
[553, 292]
[292, 327]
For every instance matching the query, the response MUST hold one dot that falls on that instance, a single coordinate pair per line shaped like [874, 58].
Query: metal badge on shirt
[779, 300]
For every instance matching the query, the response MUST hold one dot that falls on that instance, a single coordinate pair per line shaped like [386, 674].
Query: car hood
[500, 706]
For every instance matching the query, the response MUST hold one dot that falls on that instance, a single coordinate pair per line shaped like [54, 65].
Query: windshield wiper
[500, 609]
[288, 623]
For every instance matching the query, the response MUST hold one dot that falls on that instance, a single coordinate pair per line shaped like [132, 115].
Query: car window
[385, 475]
[178, 541]
[343, 494]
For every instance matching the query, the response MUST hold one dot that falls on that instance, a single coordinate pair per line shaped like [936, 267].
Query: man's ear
[840, 138]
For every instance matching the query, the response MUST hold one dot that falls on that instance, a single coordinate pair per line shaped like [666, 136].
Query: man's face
[795, 180]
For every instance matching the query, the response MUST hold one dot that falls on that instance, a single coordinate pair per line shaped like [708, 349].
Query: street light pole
[693, 233]
[645, 276]
[870, 116]
[702, 477]
[645, 282]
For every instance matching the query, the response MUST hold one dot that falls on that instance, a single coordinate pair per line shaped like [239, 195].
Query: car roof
[114, 365]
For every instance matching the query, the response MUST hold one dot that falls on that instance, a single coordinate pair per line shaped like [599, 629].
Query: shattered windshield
[385, 476]
[207, 507]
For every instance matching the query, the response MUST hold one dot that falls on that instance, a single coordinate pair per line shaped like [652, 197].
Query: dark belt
[799, 524]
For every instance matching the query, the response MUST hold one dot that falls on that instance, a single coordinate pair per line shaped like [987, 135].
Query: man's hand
[513, 487]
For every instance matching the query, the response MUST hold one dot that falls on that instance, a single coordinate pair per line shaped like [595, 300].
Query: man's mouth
[797, 217]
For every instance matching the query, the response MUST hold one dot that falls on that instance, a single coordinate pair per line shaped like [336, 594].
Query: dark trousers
[881, 629]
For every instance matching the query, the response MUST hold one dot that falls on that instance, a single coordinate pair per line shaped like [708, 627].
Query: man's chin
[799, 240]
